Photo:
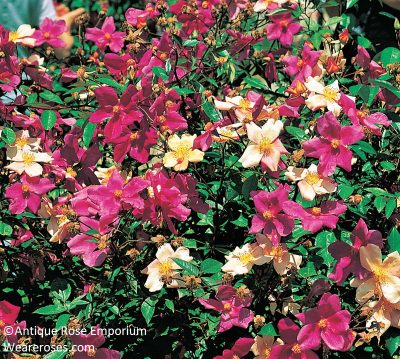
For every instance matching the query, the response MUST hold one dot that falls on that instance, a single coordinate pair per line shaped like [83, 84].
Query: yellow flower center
[169, 104]
[312, 178]
[265, 146]
[25, 188]
[62, 219]
[12, 36]
[330, 94]
[227, 133]
[244, 104]
[21, 142]
[316, 211]
[71, 172]
[296, 349]
[161, 119]
[28, 158]
[246, 258]
[323, 323]
[335, 143]
[47, 35]
[182, 152]
[277, 252]
[227, 307]
[107, 36]
[267, 352]
[118, 193]
[133, 136]
[268, 215]
[2, 324]
[116, 109]
[380, 274]
[165, 268]
[150, 192]
[102, 243]
[300, 63]
[91, 352]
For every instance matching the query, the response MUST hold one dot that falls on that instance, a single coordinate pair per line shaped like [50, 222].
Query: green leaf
[390, 55]
[333, 20]
[323, 240]
[268, 329]
[368, 93]
[351, 3]
[62, 321]
[52, 97]
[210, 111]
[365, 147]
[377, 191]
[170, 305]
[147, 309]
[241, 221]
[394, 240]
[296, 132]
[345, 191]
[393, 342]
[188, 267]
[59, 354]
[388, 165]
[380, 203]
[250, 184]
[210, 266]
[364, 42]
[48, 119]
[5, 229]
[50, 310]
[88, 133]
[160, 72]
[390, 207]
[388, 86]
[8, 135]
[256, 81]
[308, 270]
[190, 42]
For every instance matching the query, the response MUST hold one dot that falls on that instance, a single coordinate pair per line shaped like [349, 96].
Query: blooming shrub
[222, 174]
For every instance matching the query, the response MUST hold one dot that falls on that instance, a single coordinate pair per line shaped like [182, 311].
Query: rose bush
[224, 174]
